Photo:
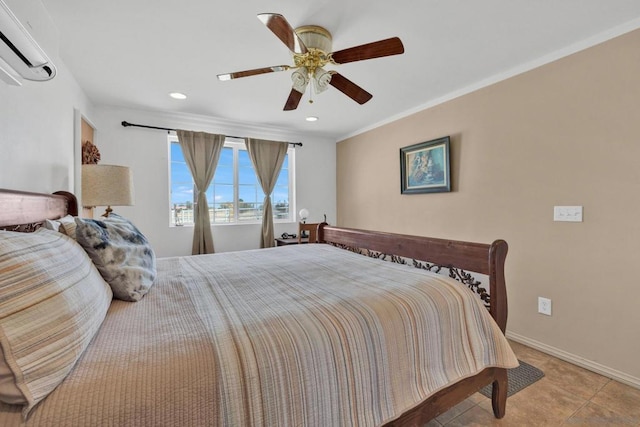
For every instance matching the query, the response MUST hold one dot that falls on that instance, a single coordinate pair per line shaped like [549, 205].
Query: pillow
[52, 302]
[68, 226]
[122, 254]
[52, 224]
[65, 225]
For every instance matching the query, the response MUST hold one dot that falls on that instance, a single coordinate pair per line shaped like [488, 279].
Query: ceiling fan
[311, 48]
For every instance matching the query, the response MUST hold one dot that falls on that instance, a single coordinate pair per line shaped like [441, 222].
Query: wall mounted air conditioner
[20, 55]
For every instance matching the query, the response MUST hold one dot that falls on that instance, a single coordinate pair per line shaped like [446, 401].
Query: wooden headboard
[24, 211]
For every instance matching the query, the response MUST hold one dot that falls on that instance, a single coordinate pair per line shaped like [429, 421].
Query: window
[235, 195]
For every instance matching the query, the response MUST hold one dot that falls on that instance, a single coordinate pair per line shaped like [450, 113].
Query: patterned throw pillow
[122, 254]
[52, 303]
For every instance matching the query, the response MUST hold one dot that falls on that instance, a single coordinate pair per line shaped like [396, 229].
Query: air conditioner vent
[20, 55]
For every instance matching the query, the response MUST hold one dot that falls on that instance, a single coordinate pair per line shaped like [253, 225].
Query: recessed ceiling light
[312, 119]
[178, 95]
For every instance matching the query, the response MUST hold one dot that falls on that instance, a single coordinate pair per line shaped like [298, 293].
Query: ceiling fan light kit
[300, 79]
[321, 79]
[311, 46]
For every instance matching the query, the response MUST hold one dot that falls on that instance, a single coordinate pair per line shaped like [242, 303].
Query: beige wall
[567, 133]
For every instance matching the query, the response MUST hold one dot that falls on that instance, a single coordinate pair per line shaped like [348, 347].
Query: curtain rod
[127, 124]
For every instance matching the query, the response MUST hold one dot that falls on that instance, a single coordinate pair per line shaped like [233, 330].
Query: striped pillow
[65, 225]
[52, 302]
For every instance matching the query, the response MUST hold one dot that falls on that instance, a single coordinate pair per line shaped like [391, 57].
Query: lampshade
[321, 79]
[106, 185]
[304, 214]
[300, 79]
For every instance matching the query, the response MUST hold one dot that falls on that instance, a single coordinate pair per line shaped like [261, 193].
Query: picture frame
[426, 167]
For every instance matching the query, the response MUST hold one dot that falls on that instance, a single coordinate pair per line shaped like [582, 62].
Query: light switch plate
[567, 213]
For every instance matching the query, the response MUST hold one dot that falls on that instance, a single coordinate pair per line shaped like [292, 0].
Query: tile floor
[567, 396]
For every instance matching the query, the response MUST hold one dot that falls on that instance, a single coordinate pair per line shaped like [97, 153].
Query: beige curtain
[267, 158]
[201, 152]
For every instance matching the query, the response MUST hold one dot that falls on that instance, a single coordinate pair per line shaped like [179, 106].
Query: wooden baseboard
[576, 360]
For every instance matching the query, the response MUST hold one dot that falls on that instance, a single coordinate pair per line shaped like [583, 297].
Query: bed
[293, 335]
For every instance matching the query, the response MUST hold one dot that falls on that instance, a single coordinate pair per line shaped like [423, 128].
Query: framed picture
[425, 167]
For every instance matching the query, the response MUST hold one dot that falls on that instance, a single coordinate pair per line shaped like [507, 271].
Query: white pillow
[52, 224]
[65, 225]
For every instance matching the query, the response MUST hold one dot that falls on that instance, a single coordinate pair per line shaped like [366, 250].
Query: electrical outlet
[544, 306]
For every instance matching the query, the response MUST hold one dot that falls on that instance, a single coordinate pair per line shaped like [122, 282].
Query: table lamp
[106, 185]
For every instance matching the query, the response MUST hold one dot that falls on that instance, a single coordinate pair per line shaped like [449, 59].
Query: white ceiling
[133, 53]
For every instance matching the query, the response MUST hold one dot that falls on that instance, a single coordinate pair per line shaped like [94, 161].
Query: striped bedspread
[305, 335]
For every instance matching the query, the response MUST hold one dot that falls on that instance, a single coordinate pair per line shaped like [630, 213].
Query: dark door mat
[519, 378]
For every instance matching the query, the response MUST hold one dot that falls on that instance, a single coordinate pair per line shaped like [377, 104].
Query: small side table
[284, 242]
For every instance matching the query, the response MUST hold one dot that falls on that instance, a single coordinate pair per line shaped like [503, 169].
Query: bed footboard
[467, 257]
[487, 259]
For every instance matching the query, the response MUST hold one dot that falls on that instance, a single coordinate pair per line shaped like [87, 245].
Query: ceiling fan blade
[284, 31]
[247, 73]
[293, 100]
[349, 88]
[388, 47]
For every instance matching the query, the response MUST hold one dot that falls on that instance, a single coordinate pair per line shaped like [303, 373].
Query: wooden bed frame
[24, 211]
[465, 256]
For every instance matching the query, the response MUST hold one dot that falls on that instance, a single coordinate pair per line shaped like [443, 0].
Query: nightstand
[284, 242]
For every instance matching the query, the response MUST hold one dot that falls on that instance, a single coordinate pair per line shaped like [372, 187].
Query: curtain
[267, 158]
[201, 151]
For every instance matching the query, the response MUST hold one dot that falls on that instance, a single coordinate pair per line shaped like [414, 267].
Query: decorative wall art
[90, 153]
[425, 167]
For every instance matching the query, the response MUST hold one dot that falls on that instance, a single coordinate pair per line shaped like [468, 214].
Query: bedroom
[563, 133]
